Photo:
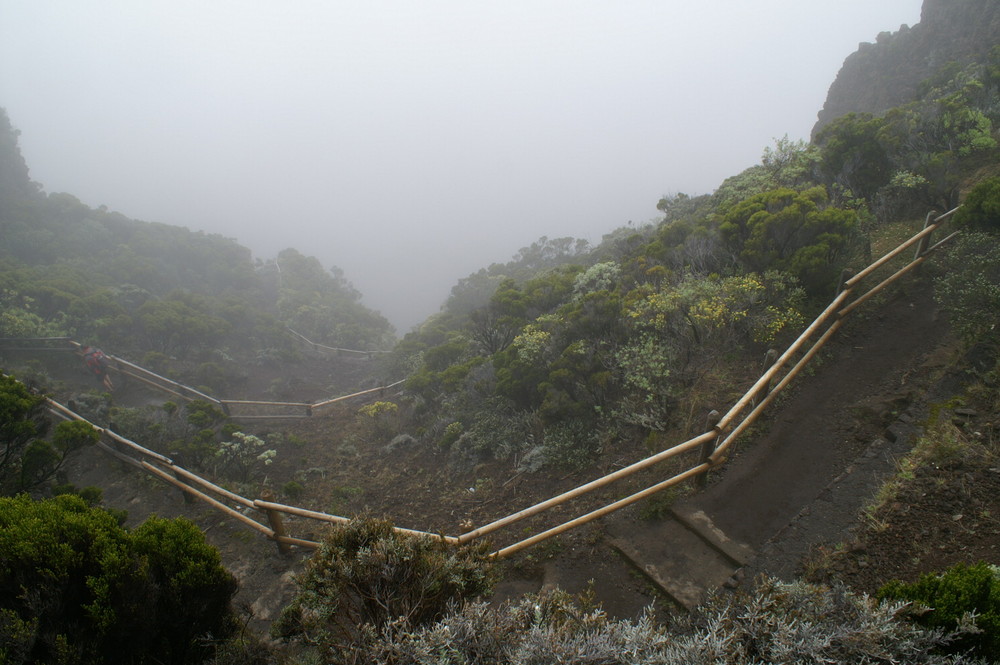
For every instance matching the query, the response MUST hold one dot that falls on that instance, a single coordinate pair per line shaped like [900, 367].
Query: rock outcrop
[888, 73]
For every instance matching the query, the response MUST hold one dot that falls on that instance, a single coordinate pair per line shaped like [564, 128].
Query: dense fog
[413, 143]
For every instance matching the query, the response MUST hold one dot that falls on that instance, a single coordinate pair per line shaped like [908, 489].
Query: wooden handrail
[827, 313]
[331, 348]
[583, 489]
[218, 505]
[171, 382]
[221, 491]
[252, 402]
[601, 512]
[718, 456]
[336, 519]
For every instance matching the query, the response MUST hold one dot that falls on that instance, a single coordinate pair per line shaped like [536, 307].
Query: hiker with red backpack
[97, 362]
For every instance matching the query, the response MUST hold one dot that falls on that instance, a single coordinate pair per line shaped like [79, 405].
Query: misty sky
[412, 143]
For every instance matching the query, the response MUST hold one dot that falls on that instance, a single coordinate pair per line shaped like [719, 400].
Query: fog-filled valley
[376, 137]
[516, 348]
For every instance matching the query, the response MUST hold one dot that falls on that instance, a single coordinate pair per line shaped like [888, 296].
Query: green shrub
[75, 587]
[953, 598]
[378, 421]
[204, 414]
[367, 576]
[969, 288]
[293, 490]
[91, 495]
[981, 209]
[450, 436]
[572, 446]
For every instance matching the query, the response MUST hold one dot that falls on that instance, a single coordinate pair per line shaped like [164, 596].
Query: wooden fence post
[277, 525]
[926, 240]
[178, 458]
[845, 275]
[708, 447]
[769, 358]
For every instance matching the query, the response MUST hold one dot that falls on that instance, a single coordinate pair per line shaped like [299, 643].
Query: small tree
[368, 575]
[795, 232]
[378, 420]
[27, 458]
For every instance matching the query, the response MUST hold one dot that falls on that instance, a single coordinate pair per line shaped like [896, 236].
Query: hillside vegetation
[569, 350]
[149, 291]
[568, 358]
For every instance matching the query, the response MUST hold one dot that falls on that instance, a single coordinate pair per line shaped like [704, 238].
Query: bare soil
[879, 367]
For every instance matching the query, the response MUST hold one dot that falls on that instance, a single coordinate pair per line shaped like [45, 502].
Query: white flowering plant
[245, 457]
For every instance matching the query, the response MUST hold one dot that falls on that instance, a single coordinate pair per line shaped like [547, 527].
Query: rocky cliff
[887, 73]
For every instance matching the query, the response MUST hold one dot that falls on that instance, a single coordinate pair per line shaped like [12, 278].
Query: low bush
[772, 623]
[981, 209]
[367, 576]
[960, 596]
[968, 289]
[293, 489]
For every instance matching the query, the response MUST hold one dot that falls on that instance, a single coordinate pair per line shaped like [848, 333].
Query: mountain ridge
[889, 72]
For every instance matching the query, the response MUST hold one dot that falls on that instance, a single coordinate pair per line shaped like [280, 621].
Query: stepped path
[800, 482]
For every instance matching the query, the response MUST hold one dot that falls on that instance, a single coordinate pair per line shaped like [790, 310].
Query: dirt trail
[880, 367]
[801, 479]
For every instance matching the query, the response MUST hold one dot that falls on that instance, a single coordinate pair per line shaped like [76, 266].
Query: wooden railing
[221, 499]
[710, 448]
[336, 351]
[234, 408]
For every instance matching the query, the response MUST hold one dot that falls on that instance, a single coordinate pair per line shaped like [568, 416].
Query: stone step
[673, 557]
[701, 524]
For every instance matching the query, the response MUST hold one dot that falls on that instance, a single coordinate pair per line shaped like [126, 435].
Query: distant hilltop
[888, 73]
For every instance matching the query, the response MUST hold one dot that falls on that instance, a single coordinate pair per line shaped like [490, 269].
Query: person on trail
[97, 362]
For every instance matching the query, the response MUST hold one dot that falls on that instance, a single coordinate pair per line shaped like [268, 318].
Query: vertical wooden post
[845, 275]
[926, 240]
[275, 522]
[769, 358]
[178, 458]
[708, 447]
[188, 497]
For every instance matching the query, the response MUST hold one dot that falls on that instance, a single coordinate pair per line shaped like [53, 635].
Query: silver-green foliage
[773, 623]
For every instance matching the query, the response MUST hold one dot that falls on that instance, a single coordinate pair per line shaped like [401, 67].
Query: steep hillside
[573, 361]
[161, 293]
[889, 72]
